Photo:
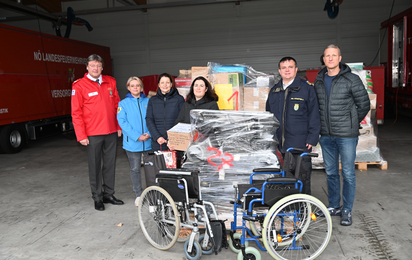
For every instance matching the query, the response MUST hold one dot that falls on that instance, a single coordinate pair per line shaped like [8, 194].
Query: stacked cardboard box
[229, 88]
[183, 86]
[367, 149]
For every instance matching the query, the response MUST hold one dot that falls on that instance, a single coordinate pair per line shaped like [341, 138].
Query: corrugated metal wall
[256, 33]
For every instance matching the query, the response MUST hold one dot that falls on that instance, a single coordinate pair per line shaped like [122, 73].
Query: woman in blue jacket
[131, 115]
[162, 111]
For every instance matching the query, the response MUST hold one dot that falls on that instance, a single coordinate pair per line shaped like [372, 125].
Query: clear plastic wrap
[252, 77]
[229, 145]
[240, 87]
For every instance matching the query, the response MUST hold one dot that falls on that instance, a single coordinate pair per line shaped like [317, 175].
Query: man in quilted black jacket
[343, 104]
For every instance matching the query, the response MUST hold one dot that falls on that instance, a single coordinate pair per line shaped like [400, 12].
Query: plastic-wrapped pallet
[228, 146]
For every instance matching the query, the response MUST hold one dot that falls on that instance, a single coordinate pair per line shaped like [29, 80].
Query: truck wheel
[12, 139]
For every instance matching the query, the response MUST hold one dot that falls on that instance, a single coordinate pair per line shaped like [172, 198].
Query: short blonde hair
[334, 46]
[134, 78]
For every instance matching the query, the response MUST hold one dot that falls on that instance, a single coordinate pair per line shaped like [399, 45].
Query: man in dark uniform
[294, 103]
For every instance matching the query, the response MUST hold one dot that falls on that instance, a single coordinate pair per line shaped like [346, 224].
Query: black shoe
[332, 212]
[113, 200]
[98, 205]
[346, 219]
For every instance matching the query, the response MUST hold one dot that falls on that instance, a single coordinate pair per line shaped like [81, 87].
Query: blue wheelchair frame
[249, 215]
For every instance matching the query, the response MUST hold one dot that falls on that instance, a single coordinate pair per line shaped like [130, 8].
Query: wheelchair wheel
[251, 254]
[235, 243]
[291, 229]
[208, 249]
[196, 251]
[255, 228]
[158, 217]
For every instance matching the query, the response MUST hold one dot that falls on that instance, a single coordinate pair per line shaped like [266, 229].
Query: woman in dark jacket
[201, 96]
[162, 111]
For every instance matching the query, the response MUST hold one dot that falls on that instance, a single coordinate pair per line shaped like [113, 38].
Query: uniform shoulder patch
[119, 109]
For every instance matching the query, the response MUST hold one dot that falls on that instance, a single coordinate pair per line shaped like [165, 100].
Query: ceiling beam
[140, 2]
[48, 6]
[33, 13]
[11, 5]
[51, 6]
[154, 6]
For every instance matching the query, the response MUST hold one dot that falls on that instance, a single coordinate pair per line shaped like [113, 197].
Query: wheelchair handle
[294, 149]
[302, 152]
[312, 154]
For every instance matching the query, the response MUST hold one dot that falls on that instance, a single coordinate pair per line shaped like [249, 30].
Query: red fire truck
[36, 74]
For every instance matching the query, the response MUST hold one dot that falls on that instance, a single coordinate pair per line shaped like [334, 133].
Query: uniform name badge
[296, 107]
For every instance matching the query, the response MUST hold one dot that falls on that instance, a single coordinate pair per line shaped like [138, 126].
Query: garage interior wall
[255, 33]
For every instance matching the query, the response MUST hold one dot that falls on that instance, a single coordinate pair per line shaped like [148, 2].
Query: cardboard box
[355, 65]
[185, 74]
[180, 136]
[372, 98]
[183, 91]
[368, 156]
[229, 88]
[255, 99]
[236, 79]
[183, 82]
[200, 71]
[366, 130]
[367, 143]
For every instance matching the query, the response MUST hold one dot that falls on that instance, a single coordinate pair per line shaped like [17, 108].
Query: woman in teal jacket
[131, 115]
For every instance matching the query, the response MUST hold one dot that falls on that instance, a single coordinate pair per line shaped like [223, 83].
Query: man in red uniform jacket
[94, 109]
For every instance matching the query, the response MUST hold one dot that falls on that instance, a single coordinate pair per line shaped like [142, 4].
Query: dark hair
[167, 76]
[95, 57]
[286, 59]
[210, 94]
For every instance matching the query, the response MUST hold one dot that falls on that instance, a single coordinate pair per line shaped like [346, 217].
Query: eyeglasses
[94, 66]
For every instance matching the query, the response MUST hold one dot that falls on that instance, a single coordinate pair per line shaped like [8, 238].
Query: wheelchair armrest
[266, 170]
[282, 180]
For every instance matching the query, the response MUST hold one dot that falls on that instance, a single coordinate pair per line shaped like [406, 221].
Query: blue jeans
[331, 148]
[135, 161]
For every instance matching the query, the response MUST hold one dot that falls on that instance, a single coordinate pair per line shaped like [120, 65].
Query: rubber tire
[196, 246]
[254, 229]
[207, 251]
[141, 209]
[250, 250]
[297, 198]
[12, 138]
[236, 236]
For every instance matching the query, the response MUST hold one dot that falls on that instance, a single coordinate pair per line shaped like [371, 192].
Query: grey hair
[95, 57]
[334, 46]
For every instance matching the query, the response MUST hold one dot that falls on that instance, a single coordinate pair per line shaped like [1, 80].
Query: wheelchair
[174, 211]
[277, 214]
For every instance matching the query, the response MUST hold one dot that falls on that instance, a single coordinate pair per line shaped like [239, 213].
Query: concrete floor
[46, 210]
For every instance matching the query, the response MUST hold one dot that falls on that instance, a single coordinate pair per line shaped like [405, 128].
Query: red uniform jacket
[94, 107]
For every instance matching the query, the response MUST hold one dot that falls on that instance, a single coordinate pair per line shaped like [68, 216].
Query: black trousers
[101, 153]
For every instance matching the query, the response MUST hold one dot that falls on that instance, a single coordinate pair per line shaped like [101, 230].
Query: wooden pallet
[363, 166]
